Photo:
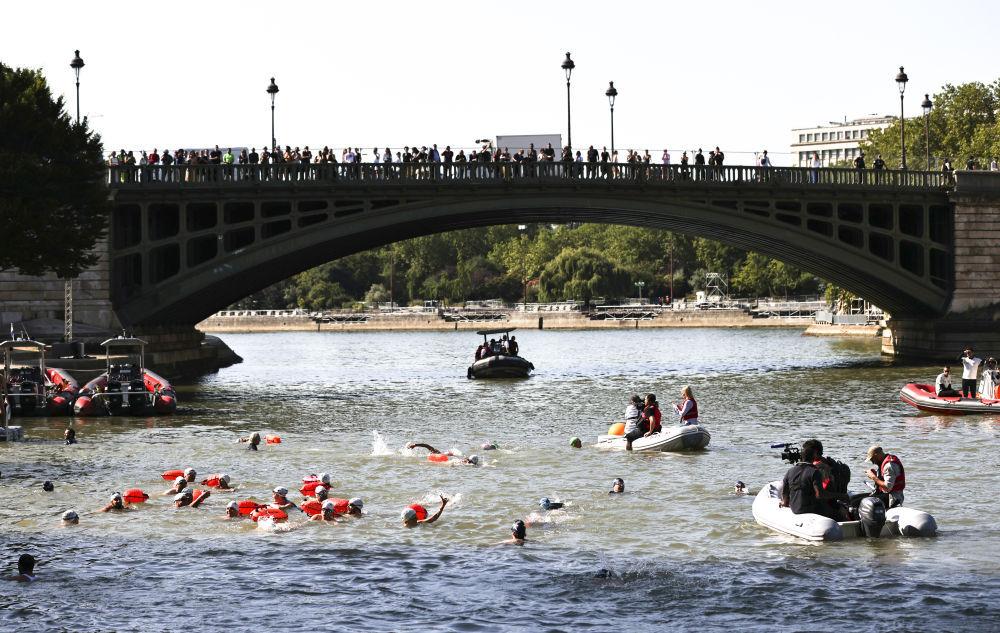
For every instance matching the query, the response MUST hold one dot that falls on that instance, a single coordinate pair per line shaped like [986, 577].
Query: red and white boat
[33, 388]
[127, 387]
[923, 397]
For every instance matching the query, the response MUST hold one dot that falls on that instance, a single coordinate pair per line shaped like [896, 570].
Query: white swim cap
[356, 502]
[179, 497]
[409, 514]
[319, 490]
[234, 505]
[224, 477]
[281, 491]
[178, 479]
[188, 472]
[325, 478]
[474, 460]
[328, 504]
[116, 496]
[69, 515]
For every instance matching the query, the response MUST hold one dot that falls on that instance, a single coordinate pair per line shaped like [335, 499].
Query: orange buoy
[272, 439]
[212, 481]
[340, 506]
[312, 507]
[196, 495]
[247, 506]
[618, 428]
[276, 514]
[437, 457]
[420, 510]
[134, 495]
[171, 475]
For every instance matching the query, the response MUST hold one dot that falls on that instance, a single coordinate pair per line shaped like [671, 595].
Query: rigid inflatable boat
[923, 397]
[668, 438]
[127, 387]
[898, 521]
[34, 389]
[499, 362]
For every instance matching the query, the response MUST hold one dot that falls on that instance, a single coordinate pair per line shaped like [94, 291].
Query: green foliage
[53, 195]
[759, 275]
[582, 274]
[962, 124]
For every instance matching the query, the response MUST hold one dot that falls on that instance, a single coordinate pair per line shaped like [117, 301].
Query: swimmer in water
[741, 488]
[25, 569]
[253, 439]
[186, 498]
[412, 514]
[321, 493]
[233, 510]
[221, 478]
[70, 436]
[617, 486]
[472, 460]
[518, 534]
[179, 484]
[117, 504]
[489, 446]
[548, 504]
[281, 500]
[48, 487]
[327, 514]
[189, 474]
[70, 518]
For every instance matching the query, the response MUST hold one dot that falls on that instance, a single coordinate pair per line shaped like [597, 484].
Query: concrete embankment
[859, 331]
[524, 320]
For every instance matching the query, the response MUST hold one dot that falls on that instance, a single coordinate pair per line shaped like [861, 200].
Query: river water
[679, 550]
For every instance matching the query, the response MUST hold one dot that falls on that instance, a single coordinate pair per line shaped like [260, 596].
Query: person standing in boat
[634, 428]
[990, 380]
[512, 347]
[942, 384]
[890, 478]
[688, 408]
[970, 372]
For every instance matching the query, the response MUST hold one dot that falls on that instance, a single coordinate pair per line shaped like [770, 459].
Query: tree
[53, 190]
[376, 294]
[582, 273]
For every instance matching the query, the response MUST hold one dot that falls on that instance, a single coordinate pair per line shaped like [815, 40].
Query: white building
[836, 141]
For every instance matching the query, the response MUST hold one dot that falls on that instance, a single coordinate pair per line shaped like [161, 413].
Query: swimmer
[48, 487]
[518, 534]
[179, 484]
[411, 515]
[321, 493]
[233, 510]
[281, 500]
[186, 498]
[327, 514]
[472, 460]
[116, 504]
[70, 436]
[70, 518]
[25, 569]
[575, 442]
[189, 474]
[253, 439]
[617, 486]
[354, 507]
[489, 446]
[220, 481]
[741, 488]
[548, 504]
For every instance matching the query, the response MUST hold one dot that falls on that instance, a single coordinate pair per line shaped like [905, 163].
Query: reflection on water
[677, 548]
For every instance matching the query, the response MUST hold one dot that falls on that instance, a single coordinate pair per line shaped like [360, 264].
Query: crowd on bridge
[485, 163]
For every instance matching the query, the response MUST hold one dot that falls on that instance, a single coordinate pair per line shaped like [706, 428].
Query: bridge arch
[179, 255]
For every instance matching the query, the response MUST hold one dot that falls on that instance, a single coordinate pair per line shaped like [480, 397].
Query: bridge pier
[973, 316]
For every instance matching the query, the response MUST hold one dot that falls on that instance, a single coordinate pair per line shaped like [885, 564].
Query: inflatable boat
[923, 398]
[127, 387]
[34, 389]
[874, 520]
[669, 438]
[499, 362]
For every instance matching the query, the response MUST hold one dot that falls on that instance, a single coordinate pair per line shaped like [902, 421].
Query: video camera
[790, 453]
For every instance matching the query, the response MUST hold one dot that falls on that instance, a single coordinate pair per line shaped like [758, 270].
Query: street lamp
[611, 93]
[639, 285]
[272, 90]
[901, 80]
[524, 262]
[76, 65]
[927, 105]
[568, 66]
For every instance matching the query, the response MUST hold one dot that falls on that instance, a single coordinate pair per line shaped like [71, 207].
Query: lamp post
[639, 285]
[76, 65]
[901, 80]
[524, 262]
[272, 90]
[927, 105]
[568, 66]
[611, 93]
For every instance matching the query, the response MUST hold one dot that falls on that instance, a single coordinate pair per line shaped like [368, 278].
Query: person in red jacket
[651, 415]
[889, 478]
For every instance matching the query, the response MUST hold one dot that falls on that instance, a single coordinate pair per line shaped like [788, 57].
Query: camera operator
[802, 487]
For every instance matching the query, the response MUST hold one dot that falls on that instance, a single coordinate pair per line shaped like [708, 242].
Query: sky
[740, 75]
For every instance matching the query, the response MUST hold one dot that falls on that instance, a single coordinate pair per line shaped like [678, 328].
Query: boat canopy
[22, 345]
[122, 341]
[501, 330]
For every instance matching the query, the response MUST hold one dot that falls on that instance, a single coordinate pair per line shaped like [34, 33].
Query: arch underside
[196, 293]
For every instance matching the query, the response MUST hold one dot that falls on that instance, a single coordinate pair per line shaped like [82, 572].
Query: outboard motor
[871, 512]
[137, 397]
[29, 401]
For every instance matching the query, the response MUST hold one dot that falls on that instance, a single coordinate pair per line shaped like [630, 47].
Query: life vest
[276, 514]
[196, 495]
[420, 510]
[212, 481]
[312, 507]
[272, 439]
[900, 482]
[309, 485]
[437, 457]
[246, 506]
[134, 495]
[340, 506]
[693, 413]
[171, 475]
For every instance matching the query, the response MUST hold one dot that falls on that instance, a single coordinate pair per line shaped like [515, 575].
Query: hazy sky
[739, 75]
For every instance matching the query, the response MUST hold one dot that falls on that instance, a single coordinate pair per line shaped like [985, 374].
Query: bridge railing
[492, 172]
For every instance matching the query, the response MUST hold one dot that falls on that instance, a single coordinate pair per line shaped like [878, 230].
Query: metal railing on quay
[129, 176]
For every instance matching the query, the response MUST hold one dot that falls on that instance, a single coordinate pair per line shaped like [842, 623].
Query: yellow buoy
[618, 428]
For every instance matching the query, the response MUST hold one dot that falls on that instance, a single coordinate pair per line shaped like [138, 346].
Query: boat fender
[438, 458]
[312, 507]
[134, 495]
[618, 428]
[170, 475]
[872, 515]
[272, 439]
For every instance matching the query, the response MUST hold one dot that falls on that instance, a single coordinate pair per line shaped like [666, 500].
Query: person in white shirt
[970, 372]
[942, 385]
[816, 164]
